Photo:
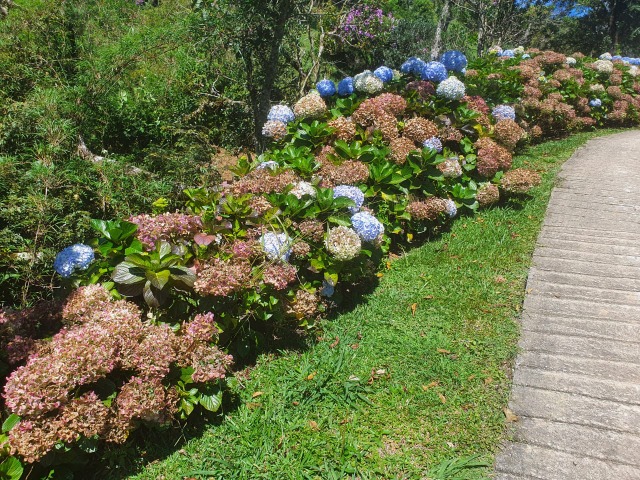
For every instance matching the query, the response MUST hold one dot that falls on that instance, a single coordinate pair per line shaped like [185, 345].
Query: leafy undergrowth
[411, 383]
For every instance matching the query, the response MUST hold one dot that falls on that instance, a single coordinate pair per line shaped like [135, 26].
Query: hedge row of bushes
[376, 163]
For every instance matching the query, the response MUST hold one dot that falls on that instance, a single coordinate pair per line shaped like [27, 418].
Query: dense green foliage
[157, 88]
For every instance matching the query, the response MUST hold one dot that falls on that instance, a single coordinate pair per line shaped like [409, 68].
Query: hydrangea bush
[355, 170]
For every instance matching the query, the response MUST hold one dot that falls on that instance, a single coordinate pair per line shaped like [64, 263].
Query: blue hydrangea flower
[281, 113]
[407, 66]
[345, 87]
[77, 256]
[328, 289]
[451, 89]
[605, 56]
[508, 53]
[433, 142]
[450, 205]
[413, 65]
[351, 192]
[418, 66]
[596, 102]
[434, 72]
[503, 112]
[367, 226]
[277, 246]
[384, 73]
[326, 88]
[525, 56]
[454, 60]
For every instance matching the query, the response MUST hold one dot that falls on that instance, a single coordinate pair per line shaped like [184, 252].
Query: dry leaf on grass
[509, 415]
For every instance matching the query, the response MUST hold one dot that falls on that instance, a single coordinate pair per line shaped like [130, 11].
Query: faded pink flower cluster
[108, 339]
[172, 227]
[20, 330]
[223, 277]
[279, 275]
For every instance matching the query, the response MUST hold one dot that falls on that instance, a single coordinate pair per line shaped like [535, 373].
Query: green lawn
[415, 375]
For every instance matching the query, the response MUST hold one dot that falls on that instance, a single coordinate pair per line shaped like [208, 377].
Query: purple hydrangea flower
[277, 246]
[452, 210]
[352, 193]
[454, 60]
[434, 72]
[503, 112]
[326, 88]
[367, 226]
[433, 142]
[345, 87]
[281, 113]
[328, 289]
[384, 73]
[77, 256]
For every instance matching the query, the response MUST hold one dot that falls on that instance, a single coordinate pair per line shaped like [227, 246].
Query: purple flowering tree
[362, 32]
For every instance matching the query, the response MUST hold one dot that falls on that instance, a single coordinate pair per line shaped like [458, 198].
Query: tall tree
[497, 21]
[443, 21]
[265, 36]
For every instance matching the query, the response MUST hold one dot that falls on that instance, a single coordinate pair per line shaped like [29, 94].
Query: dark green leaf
[211, 402]
[186, 406]
[150, 295]
[164, 249]
[184, 275]
[10, 422]
[128, 274]
[159, 279]
[11, 469]
[186, 373]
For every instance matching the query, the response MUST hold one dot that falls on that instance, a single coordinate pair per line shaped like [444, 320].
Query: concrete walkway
[576, 386]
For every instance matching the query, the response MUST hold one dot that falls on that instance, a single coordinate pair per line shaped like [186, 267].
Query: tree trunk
[482, 32]
[442, 22]
[613, 25]
[260, 89]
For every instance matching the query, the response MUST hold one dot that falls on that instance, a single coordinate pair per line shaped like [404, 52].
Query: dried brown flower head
[419, 129]
[310, 106]
[519, 180]
[428, 209]
[487, 194]
[349, 172]
[400, 149]
[508, 133]
[345, 128]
